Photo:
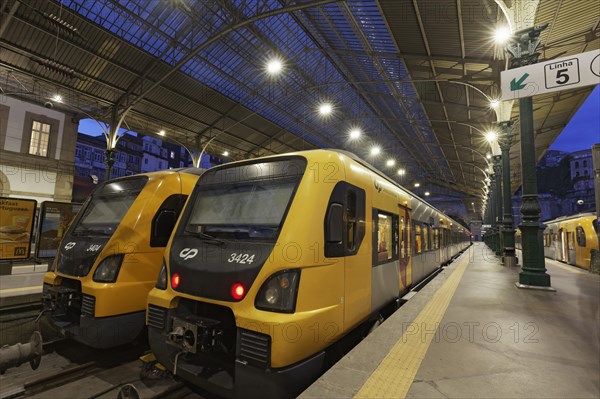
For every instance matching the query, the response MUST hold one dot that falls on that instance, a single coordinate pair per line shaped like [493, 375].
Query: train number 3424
[240, 258]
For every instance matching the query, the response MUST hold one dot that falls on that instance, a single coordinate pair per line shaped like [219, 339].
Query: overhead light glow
[426, 193]
[491, 136]
[401, 172]
[417, 184]
[274, 66]
[502, 34]
[225, 153]
[57, 98]
[375, 150]
[355, 133]
[162, 133]
[494, 103]
[390, 162]
[488, 155]
[325, 109]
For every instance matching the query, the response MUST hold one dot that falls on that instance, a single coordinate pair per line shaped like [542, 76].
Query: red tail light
[175, 280]
[238, 291]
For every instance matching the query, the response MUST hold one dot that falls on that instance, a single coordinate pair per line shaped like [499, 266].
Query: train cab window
[351, 223]
[417, 239]
[387, 237]
[580, 236]
[165, 219]
[352, 201]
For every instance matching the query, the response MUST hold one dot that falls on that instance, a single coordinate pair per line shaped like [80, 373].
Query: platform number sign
[548, 76]
[560, 74]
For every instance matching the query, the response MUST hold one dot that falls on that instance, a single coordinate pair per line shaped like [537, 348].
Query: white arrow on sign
[548, 76]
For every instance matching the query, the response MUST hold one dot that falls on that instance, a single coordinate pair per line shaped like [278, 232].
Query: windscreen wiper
[207, 237]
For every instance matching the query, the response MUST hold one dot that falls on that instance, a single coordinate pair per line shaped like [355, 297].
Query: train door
[404, 266]
[562, 245]
[571, 247]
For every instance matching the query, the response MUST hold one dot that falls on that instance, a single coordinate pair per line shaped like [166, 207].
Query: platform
[471, 333]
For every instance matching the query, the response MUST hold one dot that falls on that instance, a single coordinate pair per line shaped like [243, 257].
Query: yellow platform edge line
[395, 374]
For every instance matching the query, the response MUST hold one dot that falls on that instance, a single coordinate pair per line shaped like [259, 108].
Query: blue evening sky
[583, 130]
[580, 133]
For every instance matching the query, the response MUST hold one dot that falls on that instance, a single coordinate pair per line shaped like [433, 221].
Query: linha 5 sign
[548, 76]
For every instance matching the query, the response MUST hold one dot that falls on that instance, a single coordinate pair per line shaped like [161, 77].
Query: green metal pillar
[508, 233]
[498, 219]
[493, 211]
[523, 47]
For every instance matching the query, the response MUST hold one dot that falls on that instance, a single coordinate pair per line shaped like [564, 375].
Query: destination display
[16, 227]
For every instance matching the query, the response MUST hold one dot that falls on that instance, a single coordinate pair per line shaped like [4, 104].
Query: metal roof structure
[415, 76]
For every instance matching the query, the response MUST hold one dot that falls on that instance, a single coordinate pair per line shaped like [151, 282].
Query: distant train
[111, 254]
[570, 239]
[277, 258]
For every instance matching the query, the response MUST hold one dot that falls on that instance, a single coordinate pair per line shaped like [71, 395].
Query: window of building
[40, 137]
[159, 165]
[78, 152]
[145, 161]
[181, 164]
[586, 172]
[576, 174]
[584, 162]
[576, 164]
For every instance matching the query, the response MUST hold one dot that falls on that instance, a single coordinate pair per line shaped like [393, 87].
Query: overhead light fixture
[57, 98]
[274, 66]
[162, 133]
[355, 133]
[375, 150]
[426, 193]
[401, 172]
[502, 34]
[488, 155]
[325, 108]
[390, 162]
[417, 184]
[225, 153]
[494, 103]
[491, 136]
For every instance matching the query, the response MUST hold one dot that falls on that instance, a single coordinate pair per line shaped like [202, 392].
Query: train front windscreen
[235, 217]
[96, 223]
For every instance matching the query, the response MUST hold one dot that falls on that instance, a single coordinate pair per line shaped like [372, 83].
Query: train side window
[580, 236]
[165, 219]
[436, 238]
[417, 238]
[385, 243]
[425, 238]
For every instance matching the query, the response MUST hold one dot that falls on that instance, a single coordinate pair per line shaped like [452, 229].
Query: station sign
[544, 77]
[16, 227]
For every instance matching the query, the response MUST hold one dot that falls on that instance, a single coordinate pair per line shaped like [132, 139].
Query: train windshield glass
[245, 202]
[108, 205]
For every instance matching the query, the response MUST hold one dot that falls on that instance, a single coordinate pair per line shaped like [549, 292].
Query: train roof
[570, 217]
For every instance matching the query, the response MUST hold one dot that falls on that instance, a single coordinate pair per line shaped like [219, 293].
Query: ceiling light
[375, 150]
[162, 133]
[325, 109]
[401, 172]
[488, 155]
[355, 133]
[491, 136]
[494, 103]
[225, 153]
[274, 66]
[426, 193]
[390, 162]
[417, 184]
[57, 98]
[502, 34]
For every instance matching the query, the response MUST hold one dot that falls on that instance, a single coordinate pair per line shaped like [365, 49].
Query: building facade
[37, 150]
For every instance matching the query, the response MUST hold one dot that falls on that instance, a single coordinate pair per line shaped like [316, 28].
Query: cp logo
[188, 253]
[69, 245]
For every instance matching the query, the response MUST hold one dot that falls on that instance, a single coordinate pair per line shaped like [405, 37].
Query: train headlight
[108, 270]
[279, 292]
[161, 282]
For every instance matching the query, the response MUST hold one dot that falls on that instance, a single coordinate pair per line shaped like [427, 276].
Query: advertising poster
[55, 218]
[16, 227]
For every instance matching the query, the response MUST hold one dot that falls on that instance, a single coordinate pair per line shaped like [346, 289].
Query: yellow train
[276, 259]
[111, 254]
[572, 239]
